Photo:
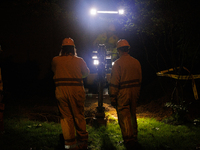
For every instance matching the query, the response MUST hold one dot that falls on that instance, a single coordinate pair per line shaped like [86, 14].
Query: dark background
[31, 33]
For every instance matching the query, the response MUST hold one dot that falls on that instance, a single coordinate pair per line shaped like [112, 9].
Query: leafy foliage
[180, 112]
[171, 25]
[169, 32]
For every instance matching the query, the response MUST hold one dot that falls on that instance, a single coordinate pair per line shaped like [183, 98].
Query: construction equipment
[100, 62]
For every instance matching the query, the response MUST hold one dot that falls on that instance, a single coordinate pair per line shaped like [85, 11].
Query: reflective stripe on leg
[82, 138]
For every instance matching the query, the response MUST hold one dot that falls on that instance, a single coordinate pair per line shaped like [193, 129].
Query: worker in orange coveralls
[1, 103]
[124, 90]
[69, 71]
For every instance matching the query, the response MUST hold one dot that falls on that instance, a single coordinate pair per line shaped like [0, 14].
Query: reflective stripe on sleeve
[131, 81]
[127, 84]
[115, 86]
[68, 82]
[68, 79]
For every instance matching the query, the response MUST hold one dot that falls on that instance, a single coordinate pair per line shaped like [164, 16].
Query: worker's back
[69, 71]
[130, 68]
[124, 91]
[126, 78]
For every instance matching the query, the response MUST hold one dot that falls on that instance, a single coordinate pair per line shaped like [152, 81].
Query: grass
[157, 135]
[23, 134]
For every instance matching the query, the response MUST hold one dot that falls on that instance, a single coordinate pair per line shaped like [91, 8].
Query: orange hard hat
[122, 42]
[68, 42]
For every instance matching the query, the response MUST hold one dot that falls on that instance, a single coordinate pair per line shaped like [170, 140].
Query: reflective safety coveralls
[124, 90]
[68, 73]
[1, 104]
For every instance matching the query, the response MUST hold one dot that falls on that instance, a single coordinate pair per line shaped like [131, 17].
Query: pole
[100, 115]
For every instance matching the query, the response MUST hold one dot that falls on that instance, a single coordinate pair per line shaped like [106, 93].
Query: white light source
[96, 62]
[94, 57]
[108, 57]
[121, 11]
[113, 63]
[93, 11]
[107, 12]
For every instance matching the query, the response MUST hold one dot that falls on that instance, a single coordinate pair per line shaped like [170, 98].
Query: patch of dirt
[155, 109]
[148, 107]
[50, 113]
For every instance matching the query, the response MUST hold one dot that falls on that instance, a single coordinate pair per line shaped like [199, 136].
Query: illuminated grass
[24, 134]
[108, 137]
[152, 135]
[157, 135]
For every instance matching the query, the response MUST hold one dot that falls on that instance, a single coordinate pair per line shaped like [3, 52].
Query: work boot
[71, 147]
[83, 146]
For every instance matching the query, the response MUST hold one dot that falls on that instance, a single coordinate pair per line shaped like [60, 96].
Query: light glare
[107, 12]
[94, 57]
[96, 62]
[93, 11]
[121, 11]
[108, 57]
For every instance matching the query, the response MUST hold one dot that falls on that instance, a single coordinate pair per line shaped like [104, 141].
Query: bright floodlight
[93, 11]
[121, 11]
[94, 57]
[107, 12]
[96, 62]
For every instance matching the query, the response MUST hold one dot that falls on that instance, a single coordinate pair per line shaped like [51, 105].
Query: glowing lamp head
[96, 62]
[94, 57]
[93, 11]
[121, 11]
